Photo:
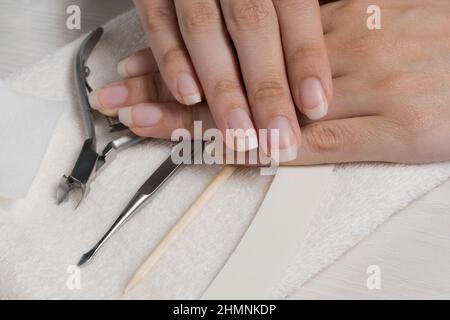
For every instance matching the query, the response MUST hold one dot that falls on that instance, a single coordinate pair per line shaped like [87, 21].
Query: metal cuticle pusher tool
[90, 162]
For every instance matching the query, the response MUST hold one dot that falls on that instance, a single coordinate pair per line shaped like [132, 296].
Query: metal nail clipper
[146, 191]
[89, 161]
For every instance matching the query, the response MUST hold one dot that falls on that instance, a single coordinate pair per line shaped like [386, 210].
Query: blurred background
[31, 29]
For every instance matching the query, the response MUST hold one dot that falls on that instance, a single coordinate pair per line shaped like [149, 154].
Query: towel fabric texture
[39, 241]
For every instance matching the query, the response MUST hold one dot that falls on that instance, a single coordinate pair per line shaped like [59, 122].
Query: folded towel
[40, 241]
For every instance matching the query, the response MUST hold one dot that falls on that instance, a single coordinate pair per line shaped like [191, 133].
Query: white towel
[39, 241]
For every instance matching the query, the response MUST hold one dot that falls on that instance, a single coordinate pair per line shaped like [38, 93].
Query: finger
[138, 64]
[328, 12]
[372, 138]
[160, 120]
[351, 100]
[161, 26]
[306, 55]
[254, 29]
[148, 88]
[215, 63]
[340, 64]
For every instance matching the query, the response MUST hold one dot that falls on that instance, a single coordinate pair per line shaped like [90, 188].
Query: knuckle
[199, 16]
[246, 14]
[322, 137]
[305, 54]
[270, 91]
[222, 87]
[158, 18]
[173, 55]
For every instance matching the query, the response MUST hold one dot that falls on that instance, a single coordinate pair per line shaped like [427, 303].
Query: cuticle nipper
[90, 162]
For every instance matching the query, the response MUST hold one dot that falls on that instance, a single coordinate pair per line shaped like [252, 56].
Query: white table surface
[412, 249]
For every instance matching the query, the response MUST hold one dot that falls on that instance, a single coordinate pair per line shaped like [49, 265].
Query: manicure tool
[146, 191]
[275, 235]
[89, 161]
[180, 226]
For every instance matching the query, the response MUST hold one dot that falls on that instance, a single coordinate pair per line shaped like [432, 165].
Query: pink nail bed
[188, 89]
[111, 96]
[134, 65]
[314, 100]
[146, 115]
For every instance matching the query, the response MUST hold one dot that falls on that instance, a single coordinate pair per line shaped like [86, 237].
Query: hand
[392, 89]
[233, 51]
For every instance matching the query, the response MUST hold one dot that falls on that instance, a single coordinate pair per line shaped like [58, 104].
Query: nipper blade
[81, 174]
[66, 185]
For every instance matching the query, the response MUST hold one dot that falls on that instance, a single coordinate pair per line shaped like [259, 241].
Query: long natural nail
[140, 116]
[241, 131]
[286, 147]
[112, 96]
[314, 100]
[188, 89]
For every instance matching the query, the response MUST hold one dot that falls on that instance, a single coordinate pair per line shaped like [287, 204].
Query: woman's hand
[236, 54]
[392, 89]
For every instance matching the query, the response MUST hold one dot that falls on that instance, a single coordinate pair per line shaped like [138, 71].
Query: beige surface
[412, 249]
[258, 264]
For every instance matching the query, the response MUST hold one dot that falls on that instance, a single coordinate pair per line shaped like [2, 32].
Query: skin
[254, 61]
[392, 88]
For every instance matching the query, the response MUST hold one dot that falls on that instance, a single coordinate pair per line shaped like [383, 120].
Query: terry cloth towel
[39, 241]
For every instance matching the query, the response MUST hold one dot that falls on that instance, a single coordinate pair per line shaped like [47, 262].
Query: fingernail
[140, 116]
[286, 147]
[188, 89]
[134, 65]
[111, 96]
[122, 68]
[242, 131]
[314, 100]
